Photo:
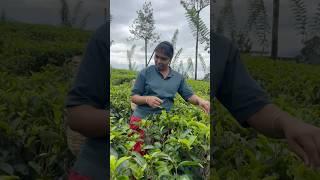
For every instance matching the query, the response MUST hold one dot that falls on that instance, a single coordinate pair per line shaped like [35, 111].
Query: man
[249, 104]
[155, 89]
[86, 105]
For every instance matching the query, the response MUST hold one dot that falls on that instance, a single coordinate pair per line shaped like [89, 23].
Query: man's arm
[302, 138]
[194, 99]
[88, 120]
[139, 100]
[86, 102]
[269, 121]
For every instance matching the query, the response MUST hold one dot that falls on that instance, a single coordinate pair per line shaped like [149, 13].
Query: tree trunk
[145, 51]
[197, 41]
[275, 26]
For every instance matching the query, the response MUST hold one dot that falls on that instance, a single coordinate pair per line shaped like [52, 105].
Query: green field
[34, 78]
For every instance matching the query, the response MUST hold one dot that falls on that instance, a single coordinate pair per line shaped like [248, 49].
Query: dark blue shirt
[232, 84]
[150, 82]
[90, 88]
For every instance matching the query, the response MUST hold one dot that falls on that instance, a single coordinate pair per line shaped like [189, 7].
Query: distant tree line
[258, 26]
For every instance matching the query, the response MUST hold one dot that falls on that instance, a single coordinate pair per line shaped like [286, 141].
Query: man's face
[161, 60]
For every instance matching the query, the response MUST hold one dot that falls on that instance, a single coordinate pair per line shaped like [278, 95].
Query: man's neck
[165, 70]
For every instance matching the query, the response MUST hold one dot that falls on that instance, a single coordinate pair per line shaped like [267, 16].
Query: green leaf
[161, 155]
[111, 137]
[4, 127]
[122, 178]
[157, 145]
[137, 171]
[148, 147]
[139, 159]
[184, 177]
[162, 168]
[121, 160]
[35, 166]
[189, 163]
[7, 168]
[113, 162]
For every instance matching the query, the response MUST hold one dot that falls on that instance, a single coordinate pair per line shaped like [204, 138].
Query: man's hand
[153, 101]
[304, 140]
[205, 105]
[196, 100]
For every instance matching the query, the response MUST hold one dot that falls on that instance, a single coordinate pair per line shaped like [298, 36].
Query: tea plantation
[35, 75]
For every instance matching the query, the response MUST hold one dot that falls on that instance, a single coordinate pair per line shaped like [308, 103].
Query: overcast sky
[289, 41]
[169, 15]
[47, 11]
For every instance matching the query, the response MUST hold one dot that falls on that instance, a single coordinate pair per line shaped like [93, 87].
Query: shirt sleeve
[138, 88]
[185, 90]
[239, 92]
[91, 82]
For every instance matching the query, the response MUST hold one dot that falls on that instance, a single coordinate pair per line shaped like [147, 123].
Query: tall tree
[198, 27]
[275, 27]
[299, 10]
[72, 21]
[64, 13]
[226, 23]
[76, 11]
[204, 65]
[174, 40]
[190, 68]
[258, 22]
[143, 27]
[109, 20]
[315, 22]
[308, 28]
[129, 57]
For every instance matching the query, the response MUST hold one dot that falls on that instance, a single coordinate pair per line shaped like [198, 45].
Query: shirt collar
[170, 71]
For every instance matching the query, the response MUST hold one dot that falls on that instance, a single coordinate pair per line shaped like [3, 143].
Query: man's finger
[157, 103]
[158, 99]
[206, 106]
[204, 109]
[295, 147]
[310, 148]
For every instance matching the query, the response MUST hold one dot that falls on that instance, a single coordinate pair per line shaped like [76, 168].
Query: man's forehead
[160, 50]
[160, 53]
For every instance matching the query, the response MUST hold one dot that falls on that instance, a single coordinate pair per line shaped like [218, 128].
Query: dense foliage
[35, 78]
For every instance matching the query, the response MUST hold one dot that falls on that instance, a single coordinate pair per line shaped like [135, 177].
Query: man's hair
[167, 48]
